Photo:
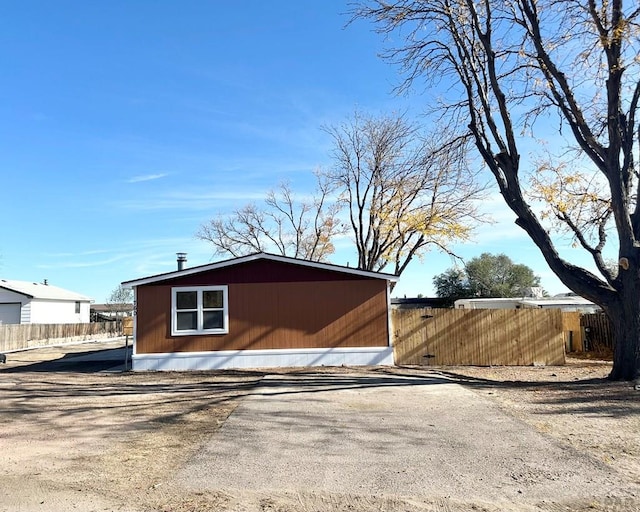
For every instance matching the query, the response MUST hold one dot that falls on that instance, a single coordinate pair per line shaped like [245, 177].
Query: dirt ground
[111, 440]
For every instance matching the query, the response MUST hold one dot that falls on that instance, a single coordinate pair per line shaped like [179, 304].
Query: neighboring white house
[565, 302]
[22, 302]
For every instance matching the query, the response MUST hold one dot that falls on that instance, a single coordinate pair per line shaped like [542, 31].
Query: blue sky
[125, 125]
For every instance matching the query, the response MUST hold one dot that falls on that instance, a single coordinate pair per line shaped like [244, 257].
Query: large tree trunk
[625, 321]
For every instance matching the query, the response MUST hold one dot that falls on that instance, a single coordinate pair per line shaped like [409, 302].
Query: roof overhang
[17, 291]
[255, 257]
[42, 291]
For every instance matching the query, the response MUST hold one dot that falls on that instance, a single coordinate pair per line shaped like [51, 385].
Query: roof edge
[16, 291]
[254, 257]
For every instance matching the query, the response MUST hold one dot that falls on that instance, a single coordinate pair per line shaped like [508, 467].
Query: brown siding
[273, 315]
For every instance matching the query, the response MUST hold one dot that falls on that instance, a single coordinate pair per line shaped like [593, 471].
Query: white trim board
[228, 359]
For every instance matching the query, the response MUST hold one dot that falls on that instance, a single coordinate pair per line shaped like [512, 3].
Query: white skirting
[179, 361]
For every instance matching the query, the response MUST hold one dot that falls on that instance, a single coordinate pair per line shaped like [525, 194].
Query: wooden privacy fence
[597, 332]
[573, 335]
[22, 336]
[481, 337]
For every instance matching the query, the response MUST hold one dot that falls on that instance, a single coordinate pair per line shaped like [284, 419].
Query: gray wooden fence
[23, 336]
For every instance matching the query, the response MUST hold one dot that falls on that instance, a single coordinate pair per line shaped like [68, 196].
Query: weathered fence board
[598, 332]
[22, 336]
[479, 337]
[574, 340]
[127, 326]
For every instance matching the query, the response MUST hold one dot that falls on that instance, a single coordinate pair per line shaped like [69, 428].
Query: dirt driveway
[345, 439]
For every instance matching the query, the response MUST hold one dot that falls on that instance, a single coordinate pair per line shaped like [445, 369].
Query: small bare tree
[119, 301]
[405, 191]
[283, 225]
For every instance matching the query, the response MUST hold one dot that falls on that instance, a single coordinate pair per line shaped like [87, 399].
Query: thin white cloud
[81, 264]
[147, 177]
[77, 254]
[191, 201]
[150, 255]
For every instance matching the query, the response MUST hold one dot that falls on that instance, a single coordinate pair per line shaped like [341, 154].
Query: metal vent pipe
[182, 259]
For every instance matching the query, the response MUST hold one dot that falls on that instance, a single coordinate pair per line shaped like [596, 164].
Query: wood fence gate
[481, 337]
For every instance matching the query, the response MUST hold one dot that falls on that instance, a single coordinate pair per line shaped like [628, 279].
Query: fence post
[127, 330]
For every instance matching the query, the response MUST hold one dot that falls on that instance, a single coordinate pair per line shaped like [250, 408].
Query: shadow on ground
[90, 361]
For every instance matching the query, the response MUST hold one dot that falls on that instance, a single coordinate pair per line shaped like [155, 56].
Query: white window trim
[199, 290]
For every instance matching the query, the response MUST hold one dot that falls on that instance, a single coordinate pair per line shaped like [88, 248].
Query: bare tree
[119, 301]
[569, 64]
[404, 191]
[284, 225]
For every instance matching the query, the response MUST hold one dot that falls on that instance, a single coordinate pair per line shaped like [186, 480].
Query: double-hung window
[199, 310]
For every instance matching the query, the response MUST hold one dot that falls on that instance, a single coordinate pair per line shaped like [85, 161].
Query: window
[199, 310]
[77, 307]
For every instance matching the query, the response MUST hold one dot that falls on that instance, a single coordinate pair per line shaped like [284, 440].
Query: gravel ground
[121, 441]
[419, 437]
[575, 403]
